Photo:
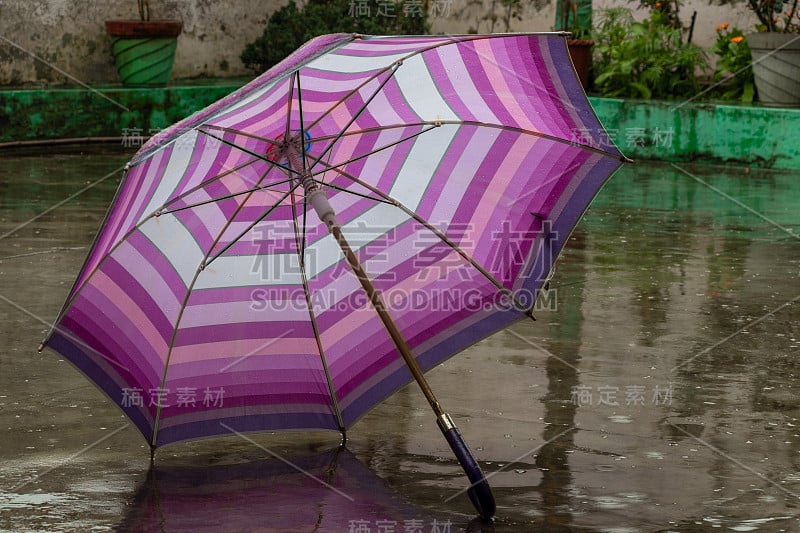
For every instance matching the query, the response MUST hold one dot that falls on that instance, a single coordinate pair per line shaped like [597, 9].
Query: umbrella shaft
[383, 313]
[319, 201]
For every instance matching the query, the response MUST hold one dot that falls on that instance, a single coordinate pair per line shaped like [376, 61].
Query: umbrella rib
[223, 129]
[189, 288]
[456, 39]
[527, 310]
[139, 224]
[250, 152]
[226, 197]
[300, 247]
[477, 124]
[208, 182]
[302, 129]
[90, 275]
[524, 131]
[451, 40]
[289, 108]
[297, 238]
[305, 213]
[362, 156]
[355, 90]
[362, 195]
[438, 123]
[251, 226]
[374, 129]
[392, 69]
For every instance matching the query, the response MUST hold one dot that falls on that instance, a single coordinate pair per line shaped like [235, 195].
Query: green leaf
[748, 93]
[644, 91]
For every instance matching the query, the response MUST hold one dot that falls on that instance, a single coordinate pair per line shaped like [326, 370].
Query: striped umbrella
[296, 252]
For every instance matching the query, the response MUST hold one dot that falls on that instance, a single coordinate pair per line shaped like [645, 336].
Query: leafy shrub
[289, 27]
[645, 59]
[772, 17]
[733, 76]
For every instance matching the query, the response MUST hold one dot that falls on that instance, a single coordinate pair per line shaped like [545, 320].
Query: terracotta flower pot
[580, 51]
[144, 51]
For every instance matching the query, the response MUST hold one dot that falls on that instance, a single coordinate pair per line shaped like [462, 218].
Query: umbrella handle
[479, 491]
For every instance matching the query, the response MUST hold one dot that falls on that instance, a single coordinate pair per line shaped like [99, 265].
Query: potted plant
[575, 16]
[144, 49]
[776, 52]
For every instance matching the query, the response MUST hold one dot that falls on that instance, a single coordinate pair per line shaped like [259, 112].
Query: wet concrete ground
[658, 390]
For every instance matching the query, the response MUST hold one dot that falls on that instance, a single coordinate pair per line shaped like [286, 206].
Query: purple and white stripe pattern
[214, 296]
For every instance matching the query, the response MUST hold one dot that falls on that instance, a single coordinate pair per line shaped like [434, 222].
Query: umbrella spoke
[124, 238]
[184, 303]
[226, 197]
[235, 132]
[305, 216]
[302, 131]
[446, 41]
[300, 237]
[289, 109]
[527, 310]
[209, 181]
[523, 131]
[459, 123]
[254, 154]
[355, 90]
[298, 246]
[376, 129]
[358, 113]
[354, 193]
[367, 154]
[252, 225]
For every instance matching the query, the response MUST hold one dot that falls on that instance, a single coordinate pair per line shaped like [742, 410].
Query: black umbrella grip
[479, 492]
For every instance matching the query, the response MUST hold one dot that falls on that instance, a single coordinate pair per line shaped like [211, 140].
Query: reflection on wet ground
[657, 392]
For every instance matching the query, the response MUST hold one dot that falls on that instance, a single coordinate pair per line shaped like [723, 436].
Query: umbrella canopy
[449, 170]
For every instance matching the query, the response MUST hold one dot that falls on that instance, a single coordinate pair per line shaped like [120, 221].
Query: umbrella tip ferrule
[40, 349]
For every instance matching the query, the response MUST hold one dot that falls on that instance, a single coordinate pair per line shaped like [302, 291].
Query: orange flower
[737, 39]
[722, 26]
[658, 5]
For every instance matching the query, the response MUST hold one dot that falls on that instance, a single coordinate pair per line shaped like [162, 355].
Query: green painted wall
[756, 136]
[116, 112]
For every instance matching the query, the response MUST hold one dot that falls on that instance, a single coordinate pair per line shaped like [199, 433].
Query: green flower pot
[144, 51]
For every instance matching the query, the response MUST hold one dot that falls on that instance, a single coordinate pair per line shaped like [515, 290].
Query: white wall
[540, 15]
[70, 34]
